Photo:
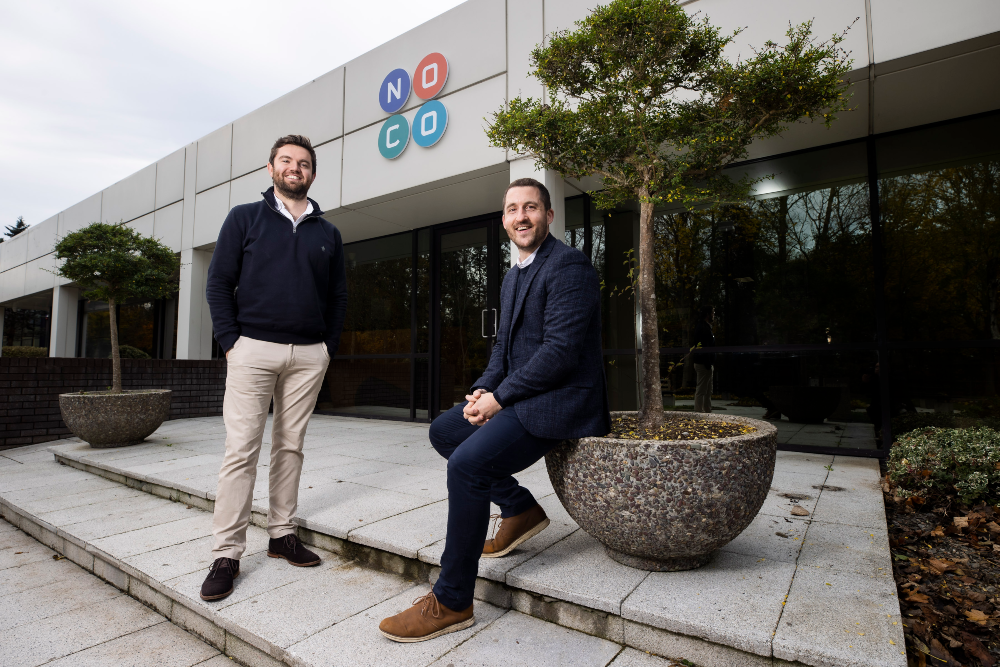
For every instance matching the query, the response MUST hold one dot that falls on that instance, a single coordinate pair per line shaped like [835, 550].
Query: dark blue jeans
[481, 462]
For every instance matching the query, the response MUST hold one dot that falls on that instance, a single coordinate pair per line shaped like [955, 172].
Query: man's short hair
[293, 140]
[543, 191]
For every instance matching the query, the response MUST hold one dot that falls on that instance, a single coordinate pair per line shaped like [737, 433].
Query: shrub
[939, 462]
[24, 351]
[131, 352]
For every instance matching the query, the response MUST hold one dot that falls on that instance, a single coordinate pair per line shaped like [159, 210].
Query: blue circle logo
[429, 124]
[395, 91]
[393, 137]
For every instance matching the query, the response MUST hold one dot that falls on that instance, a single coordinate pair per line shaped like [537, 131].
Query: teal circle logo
[430, 123]
[393, 137]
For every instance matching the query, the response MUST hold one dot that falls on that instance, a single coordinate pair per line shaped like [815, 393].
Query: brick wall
[30, 388]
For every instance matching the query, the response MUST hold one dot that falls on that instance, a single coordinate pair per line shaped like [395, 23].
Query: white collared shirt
[280, 205]
[528, 260]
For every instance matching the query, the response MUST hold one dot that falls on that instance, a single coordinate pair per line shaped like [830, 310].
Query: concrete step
[55, 613]
[374, 492]
[157, 552]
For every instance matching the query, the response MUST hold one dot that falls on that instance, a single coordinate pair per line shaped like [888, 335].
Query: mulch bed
[946, 561]
[677, 429]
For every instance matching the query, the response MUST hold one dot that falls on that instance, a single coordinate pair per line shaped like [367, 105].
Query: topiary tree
[641, 96]
[114, 263]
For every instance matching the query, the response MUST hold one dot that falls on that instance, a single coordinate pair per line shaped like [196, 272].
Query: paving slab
[735, 600]
[833, 546]
[339, 508]
[292, 613]
[162, 645]
[771, 537]
[35, 574]
[791, 489]
[838, 619]
[406, 533]
[76, 630]
[135, 542]
[857, 503]
[355, 641]
[53, 503]
[633, 658]
[577, 569]
[30, 606]
[63, 489]
[518, 640]
[17, 549]
[193, 556]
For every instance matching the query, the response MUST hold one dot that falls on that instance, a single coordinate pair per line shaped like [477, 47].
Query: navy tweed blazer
[547, 363]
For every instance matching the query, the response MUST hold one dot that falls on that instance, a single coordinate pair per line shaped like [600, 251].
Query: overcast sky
[91, 92]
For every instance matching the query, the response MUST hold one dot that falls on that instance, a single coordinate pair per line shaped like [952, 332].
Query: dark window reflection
[27, 327]
[378, 296]
[368, 387]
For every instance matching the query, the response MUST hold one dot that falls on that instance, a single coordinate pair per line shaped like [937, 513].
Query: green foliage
[17, 227]
[24, 351]
[935, 463]
[115, 262]
[131, 352]
[641, 95]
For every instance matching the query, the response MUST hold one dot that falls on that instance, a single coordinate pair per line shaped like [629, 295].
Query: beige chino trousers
[258, 370]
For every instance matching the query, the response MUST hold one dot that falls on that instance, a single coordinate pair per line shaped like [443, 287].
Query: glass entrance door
[471, 261]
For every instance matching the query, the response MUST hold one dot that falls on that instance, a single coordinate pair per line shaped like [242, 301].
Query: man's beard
[291, 191]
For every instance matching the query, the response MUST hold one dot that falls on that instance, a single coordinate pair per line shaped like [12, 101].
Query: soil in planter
[627, 428]
[946, 562]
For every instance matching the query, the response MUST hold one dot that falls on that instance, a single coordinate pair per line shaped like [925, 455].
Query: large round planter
[805, 405]
[665, 505]
[115, 420]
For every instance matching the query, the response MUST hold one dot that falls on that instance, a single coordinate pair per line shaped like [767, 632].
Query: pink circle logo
[430, 76]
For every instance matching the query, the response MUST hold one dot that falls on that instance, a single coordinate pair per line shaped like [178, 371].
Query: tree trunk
[116, 360]
[651, 412]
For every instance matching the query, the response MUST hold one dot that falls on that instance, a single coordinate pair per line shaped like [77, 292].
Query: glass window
[939, 202]
[576, 223]
[26, 324]
[378, 296]
[792, 265]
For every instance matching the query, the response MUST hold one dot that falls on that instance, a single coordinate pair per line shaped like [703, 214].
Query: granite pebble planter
[665, 505]
[115, 420]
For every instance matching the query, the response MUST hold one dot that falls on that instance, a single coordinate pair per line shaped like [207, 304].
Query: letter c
[387, 133]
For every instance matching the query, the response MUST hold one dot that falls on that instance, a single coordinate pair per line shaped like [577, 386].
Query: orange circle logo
[430, 76]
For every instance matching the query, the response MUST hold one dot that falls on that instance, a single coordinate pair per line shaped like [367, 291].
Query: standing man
[703, 361]
[278, 295]
[544, 383]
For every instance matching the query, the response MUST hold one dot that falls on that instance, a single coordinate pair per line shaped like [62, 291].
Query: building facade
[857, 288]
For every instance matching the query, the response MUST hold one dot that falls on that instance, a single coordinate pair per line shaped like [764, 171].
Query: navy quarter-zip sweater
[274, 282]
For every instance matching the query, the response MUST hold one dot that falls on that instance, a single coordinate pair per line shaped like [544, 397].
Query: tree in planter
[641, 96]
[114, 263]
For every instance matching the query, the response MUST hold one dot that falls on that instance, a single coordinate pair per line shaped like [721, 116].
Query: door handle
[483, 323]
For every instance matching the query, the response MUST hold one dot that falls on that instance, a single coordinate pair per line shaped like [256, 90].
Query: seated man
[544, 384]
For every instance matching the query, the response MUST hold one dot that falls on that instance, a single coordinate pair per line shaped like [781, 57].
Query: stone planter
[115, 420]
[665, 505]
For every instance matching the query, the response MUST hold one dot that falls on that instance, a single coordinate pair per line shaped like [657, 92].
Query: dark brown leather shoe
[514, 530]
[426, 619]
[219, 582]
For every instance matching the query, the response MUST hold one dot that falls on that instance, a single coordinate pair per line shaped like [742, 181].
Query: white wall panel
[42, 237]
[143, 225]
[357, 226]
[325, 190]
[14, 252]
[80, 215]
[131, 197]
[463, 148]
[450, 202]
[38, 276]
[215, 152]
[167, 223]
[945, 89]
[210, 210]
[471, 36]
[170, 179]
[247, 188]
[315, 110]
[525, 17]
[12, 283]
[904, 27]
[190, 173]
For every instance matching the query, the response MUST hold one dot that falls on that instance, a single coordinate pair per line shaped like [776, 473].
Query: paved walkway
[814, 590]
[55, 613]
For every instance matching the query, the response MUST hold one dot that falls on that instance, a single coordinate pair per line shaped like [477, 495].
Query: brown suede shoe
[514, 530]
[426, 619]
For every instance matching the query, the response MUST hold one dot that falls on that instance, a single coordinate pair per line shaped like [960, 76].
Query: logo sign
[430, 76]
[431, 119]
[395, 91]
[430, 123]
[393, 137]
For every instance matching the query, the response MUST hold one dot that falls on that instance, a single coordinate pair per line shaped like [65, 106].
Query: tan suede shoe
[514, 530]
[426, 619]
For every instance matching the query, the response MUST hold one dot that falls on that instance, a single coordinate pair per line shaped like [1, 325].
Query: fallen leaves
[799, 511]
[976, 616]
